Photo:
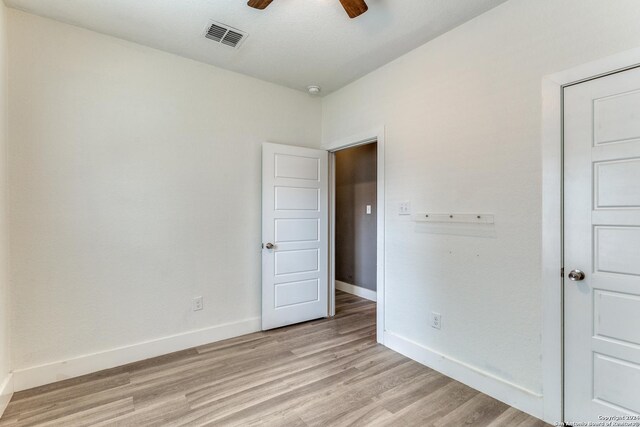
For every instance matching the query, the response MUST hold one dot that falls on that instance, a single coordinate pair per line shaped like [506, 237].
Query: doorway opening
[356, 224]
[355, 207]
[298, 234]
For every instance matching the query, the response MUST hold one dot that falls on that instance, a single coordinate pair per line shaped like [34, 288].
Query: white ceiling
[292, 43]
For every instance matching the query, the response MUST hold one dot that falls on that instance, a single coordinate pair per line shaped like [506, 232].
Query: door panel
[297, 167]
[293, 293]
[295, 198]
[617, 383]
[617, 316]
[617, 184]
[297, 261]
[297, 230]
[615, 117]
[611, 254]
[602, 238]
[294, 221]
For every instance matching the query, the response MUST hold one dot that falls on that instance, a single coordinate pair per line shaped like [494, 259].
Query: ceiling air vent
[224, 34]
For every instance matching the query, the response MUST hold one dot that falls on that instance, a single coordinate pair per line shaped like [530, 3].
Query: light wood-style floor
[321, 373]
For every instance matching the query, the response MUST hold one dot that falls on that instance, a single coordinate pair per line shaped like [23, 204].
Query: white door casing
[602, 238]
[295, 221]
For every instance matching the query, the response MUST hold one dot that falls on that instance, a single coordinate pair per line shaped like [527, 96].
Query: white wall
[463, 129]
[5, 366]
[135, 186]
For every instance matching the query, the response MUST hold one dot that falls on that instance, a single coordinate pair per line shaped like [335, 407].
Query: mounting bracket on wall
[454, 218]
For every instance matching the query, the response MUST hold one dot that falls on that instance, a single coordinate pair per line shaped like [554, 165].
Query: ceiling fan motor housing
[354, 8]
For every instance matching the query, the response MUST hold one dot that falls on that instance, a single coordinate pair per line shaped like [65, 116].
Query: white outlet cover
[198, 304]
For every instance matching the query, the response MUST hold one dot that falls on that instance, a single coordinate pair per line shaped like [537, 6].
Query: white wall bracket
[454, 218]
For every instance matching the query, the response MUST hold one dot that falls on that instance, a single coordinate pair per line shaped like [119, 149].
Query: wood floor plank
[54, 397]
[398, 398]
[510, 417]
[327, 372]
[434, 406]
[479, 411]
[93, 415]
[300, 370]
[72, 406]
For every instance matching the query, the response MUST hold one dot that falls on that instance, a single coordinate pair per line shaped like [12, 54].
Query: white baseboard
[6, 391]
[27, 378]
[509, 393]
[356, 290]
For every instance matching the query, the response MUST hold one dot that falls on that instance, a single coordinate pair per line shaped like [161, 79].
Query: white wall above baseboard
[504, 391]
[6, 392]
[356, 290]
[24, 379]
[126, 251]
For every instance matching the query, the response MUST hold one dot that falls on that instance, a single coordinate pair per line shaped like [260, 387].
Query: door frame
[552, 219]
[374, 135]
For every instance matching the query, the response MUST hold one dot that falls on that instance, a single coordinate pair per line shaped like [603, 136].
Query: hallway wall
[356, 184]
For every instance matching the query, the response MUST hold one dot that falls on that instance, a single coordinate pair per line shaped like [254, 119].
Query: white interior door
[602, 239]
[294, 234]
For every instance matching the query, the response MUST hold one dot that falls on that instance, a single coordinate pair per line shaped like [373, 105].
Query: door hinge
[562, 272]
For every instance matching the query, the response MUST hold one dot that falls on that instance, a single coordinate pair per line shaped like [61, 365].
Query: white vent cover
[224, 34]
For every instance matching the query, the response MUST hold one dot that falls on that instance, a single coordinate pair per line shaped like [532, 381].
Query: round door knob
[576, 275]
[269, 246]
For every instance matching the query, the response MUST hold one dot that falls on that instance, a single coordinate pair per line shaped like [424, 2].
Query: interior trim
[485, 382]
[36, 376]
[356, 290]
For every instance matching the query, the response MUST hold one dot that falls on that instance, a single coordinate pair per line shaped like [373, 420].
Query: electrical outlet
[404, 208]
[198, 304]
[436, 320]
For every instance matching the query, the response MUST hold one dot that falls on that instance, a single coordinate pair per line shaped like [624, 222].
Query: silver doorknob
[576, 275]
[269, 246]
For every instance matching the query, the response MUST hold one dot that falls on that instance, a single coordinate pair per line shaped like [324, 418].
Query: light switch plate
[368, 209]
[405, 208]
[436, 320]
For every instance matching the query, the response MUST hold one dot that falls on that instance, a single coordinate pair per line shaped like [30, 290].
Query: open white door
[602, 249]
[294, 235]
